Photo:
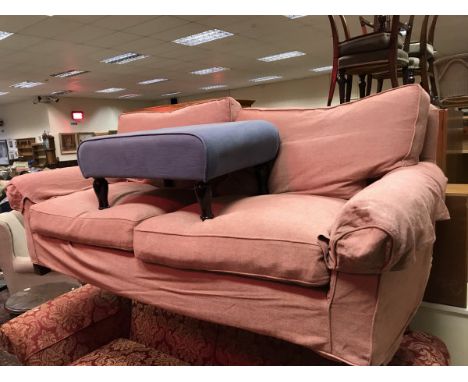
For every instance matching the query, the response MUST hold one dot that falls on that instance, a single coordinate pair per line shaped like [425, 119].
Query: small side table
[29, 298]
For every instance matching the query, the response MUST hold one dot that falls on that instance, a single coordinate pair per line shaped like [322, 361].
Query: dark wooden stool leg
[40, 269]
[369, 85]
[349, 87]
[262, 172]
[101, 189]
[203, 193]
[169, 183]
[379, 85]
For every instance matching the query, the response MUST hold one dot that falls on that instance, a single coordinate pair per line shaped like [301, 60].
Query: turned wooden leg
[204, 195]
[262, 172]
[369, 84]
[379, 85]
[341, 85]
[349, 87]
[333, 78]
[362, 85]
[406, 75]
[101, 189]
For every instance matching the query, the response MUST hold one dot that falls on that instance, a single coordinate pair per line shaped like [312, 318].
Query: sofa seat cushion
[334, 151]
[123, 352]
[268, 236]
[76, 217]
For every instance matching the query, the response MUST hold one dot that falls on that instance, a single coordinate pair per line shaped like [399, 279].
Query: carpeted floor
[5, 358]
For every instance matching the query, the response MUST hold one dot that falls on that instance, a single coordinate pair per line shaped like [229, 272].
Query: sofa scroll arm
[380, 227]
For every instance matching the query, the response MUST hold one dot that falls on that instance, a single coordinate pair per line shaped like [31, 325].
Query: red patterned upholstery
[123, 352]
[421, 349]
[89, 326]
[66, 328]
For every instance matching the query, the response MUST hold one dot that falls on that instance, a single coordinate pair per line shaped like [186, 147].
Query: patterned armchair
[89, 326]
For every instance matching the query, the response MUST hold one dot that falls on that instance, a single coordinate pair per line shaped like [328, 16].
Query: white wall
[24, 119]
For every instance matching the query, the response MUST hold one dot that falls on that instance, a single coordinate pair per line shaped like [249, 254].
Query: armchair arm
[44, 185]
[64, 329]
[380, 228]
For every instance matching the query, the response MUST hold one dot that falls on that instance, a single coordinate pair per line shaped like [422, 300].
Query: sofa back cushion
[191, 113]
[335, 151]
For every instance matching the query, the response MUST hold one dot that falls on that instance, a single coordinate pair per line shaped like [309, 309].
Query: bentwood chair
[376, 52]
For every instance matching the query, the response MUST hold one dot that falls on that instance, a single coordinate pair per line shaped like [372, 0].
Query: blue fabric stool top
[200, 153]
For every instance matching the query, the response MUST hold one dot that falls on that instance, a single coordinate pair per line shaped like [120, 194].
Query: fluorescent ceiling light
[322, 69]
[294, 17]
[214, 69]
[203, 37]
[4, 35]
[170, 94]
[3, 93]
[211, 87]
[26, 85]
[130, 95]
[153, 81]
[282, 56]
[69, 73]
[124, 58]
[61, 92]
[267, 78]
[110, 90]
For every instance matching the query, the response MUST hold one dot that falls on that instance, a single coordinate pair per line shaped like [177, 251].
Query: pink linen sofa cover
[334, 151]
[356, 318]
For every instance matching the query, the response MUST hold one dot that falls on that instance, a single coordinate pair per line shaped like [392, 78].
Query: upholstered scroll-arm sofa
[334, 259]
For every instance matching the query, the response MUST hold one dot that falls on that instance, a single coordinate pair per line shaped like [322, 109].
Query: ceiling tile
[118, 23]
[17, 23]
[84, 34]
[156, 25]
[114, 39]
[51, 27]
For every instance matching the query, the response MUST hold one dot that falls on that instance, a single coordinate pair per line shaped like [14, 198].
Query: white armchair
[15, 262]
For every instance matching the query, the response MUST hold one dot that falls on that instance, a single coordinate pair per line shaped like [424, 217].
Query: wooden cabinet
[44, 153]
[449, 275]
[25, 150]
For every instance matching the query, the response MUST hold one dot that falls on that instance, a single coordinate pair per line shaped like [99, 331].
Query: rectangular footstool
[199, 153]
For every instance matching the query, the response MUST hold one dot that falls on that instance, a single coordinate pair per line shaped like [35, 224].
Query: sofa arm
[67, 327]
[380, 228]
[40, 186]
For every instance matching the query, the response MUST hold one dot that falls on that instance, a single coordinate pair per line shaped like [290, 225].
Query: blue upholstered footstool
[200, 153]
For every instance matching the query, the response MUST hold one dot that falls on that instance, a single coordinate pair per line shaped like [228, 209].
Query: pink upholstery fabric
[334, 151]
[293, 313]
[44, 185]
[267, 236]
[218, 110]
[76, 217]
[429, 151]
[123, 352]
[64, 329]
[380, 228]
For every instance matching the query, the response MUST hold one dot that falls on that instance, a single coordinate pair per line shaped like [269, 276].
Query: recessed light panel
[203, 37]
[211, 87]
[4, 35]
[214, 69]
[61, 92]
[322, 69]
[3, 93]
[170, 94]
[124, 58]
[110, 90]
[294, 17]
[26, 85]
[130, 95]
[69, 73]
[267, 78]
[153, 81]
[282, 56]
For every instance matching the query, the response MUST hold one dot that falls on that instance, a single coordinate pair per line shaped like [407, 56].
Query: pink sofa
[335, 259]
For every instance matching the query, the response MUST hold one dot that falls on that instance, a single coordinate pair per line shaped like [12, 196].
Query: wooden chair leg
[362, 85]
[379, 85]
[369, 84]
[392, 69]
[349, 87]
[333, 79]
[434, 91]
[341, 85]
[424, 77]
[405, 72]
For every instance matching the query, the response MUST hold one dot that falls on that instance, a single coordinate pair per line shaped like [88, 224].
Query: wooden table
[29, 298]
